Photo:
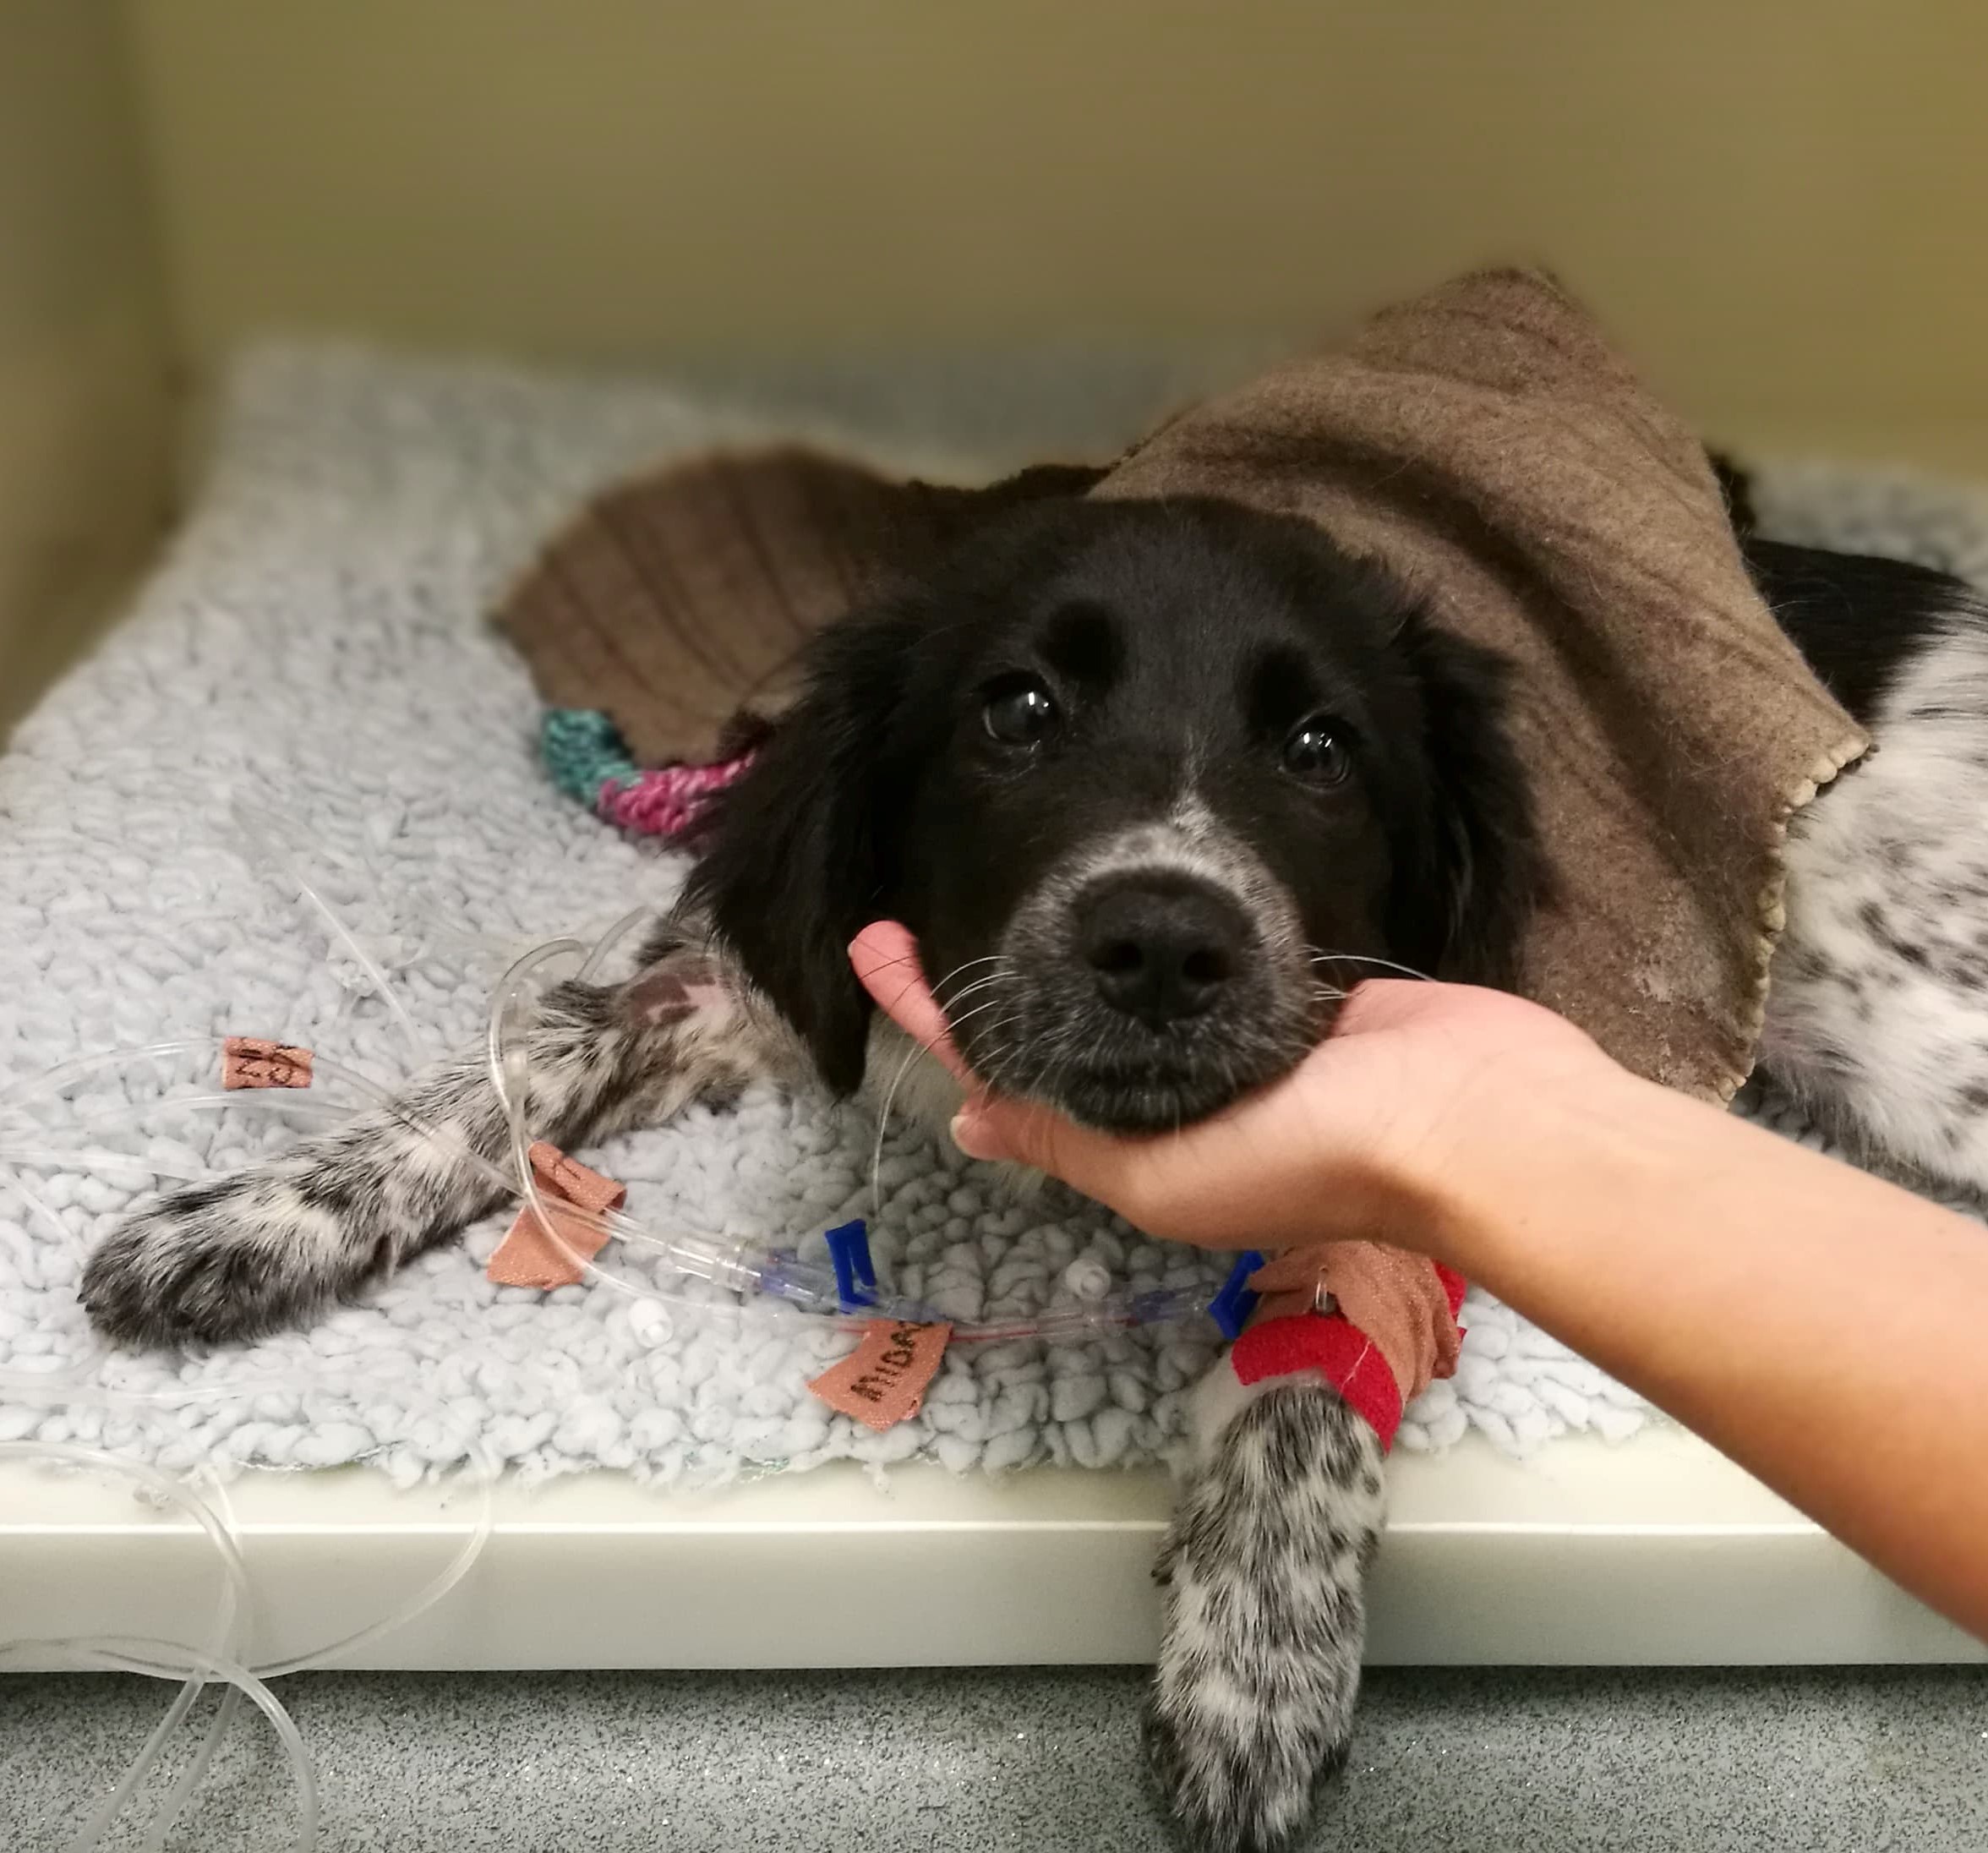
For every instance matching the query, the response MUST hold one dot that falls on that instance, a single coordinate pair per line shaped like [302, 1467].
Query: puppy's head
[1147, 781]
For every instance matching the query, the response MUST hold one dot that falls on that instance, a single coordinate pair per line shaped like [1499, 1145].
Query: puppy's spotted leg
[274, 1245]
[1263, 1572]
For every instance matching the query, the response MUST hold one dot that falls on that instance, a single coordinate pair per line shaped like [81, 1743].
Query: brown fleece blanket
[1484, 441]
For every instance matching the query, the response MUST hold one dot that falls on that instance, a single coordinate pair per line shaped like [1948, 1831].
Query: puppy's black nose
[1162, 948]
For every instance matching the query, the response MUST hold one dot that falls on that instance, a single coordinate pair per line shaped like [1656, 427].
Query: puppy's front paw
[1263, 1571]
[214, 1263]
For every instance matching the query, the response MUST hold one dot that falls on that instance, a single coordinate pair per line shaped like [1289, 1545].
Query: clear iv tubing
[167, 1659]
[258, 826]
[744, 1267]
[735, 1266]
[691, 1256]
[28, 1385]
[199, 1668]
[195, 1667]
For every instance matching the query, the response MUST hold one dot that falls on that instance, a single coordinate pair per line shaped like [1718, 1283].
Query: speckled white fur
[1877, 1019]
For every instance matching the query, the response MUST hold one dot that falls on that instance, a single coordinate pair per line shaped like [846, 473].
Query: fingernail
[971, 1134]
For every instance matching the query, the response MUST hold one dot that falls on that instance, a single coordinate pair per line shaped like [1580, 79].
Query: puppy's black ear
[802, 854]
[1479, 855]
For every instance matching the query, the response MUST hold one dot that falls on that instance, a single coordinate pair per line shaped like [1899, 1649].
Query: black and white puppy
[1149, 782]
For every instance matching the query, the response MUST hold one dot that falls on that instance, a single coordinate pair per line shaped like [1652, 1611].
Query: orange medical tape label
[527, 1256]
[883, 1380]
[248, 1061]
[574, 1181]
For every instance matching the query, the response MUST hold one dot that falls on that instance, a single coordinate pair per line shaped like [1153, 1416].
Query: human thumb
[998, 1126]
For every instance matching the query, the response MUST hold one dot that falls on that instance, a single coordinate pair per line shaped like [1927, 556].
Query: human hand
[1418, 1101]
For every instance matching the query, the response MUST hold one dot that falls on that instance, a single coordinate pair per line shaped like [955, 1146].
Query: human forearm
[1817, 1325]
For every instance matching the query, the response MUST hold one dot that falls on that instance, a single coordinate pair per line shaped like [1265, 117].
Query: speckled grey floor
[1824, 1761]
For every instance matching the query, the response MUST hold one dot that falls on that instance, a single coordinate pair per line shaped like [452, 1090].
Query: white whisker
[1367, 959]
[917, 1048]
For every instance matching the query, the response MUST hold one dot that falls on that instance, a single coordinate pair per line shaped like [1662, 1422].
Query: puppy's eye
[1314, 752]
[1020, 711]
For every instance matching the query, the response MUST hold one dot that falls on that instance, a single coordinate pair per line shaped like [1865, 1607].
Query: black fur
[804, 849]
[1858, 620]
[1477, 850]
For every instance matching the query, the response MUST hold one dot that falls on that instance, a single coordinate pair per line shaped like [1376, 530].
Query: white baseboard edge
[1655, 1552]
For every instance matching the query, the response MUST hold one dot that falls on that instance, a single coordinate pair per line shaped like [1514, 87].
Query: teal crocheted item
[583, 751]
[589, 760]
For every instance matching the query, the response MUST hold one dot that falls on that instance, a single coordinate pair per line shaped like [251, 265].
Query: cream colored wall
[83, 373]
[1779, 203]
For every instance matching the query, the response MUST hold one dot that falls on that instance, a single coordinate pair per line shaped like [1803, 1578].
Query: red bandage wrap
[1348, 1358]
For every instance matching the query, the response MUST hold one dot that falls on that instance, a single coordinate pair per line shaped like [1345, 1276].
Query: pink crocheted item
[665, 800]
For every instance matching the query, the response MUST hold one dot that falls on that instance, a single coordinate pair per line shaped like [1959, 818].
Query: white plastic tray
[1657, 1552]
